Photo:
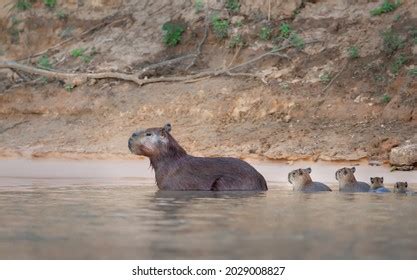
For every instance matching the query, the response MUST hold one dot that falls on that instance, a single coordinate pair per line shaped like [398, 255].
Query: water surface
[99, 210]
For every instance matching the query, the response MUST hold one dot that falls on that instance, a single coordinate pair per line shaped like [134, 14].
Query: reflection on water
[117, 219]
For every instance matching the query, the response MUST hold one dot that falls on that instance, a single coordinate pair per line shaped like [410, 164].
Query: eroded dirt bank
[363, 114]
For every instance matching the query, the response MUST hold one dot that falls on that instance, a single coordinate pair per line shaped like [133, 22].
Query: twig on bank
[335, 77]
[200, 44]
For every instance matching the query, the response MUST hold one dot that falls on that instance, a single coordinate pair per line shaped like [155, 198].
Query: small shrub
[386, 7]
[413, 72]
[80, 52]
[385, 98]
[50, 3]
[285, 30]
[398, 63]
[353, 52]
[220, 27]
[413, 33]
[265, 33]
[23, 5]
[43, 62]
[77, 52]
[239, 23]
[14, 30]
[198, 6]
[172, 33]
[69, 87]
[296, 41]
[236, 41]
[325, 78]
[62, 15]
[392, 42]
[232, 5]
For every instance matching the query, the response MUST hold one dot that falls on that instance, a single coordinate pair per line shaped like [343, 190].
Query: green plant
[23, 5]
[69, 87]
[198, 6]
[398, 63]
[385, 98]
[413, 33]
[61, 15]
[296, 41]
[285, 30]
[232, 5]
[386, 7]
[353, 52]
[44, 63]
[50, 3]
[413, 72]
[325, 78]
[236, 41]
[172, 33]
[220, 27]
[81, 53]
[392, 42]
[14, 30]
[265, 33]
[397, 17]
[77, 52]
[239, 23]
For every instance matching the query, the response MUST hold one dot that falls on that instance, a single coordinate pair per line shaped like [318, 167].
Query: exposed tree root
[80, 78]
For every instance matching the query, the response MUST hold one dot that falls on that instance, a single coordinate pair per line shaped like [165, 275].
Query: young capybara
[377, 185]
[176, 170]
[401, 187]
[301, 181]
[348, 183]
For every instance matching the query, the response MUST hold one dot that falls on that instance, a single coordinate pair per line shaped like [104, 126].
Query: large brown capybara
[176, 170]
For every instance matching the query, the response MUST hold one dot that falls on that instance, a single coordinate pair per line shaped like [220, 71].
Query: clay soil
[365, 112]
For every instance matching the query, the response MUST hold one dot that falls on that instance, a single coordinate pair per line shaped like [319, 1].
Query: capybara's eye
[148, 134]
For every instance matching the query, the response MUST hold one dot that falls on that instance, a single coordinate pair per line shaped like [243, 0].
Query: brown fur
[176, 170]
[377, 182]
[347, 181]
[301, 181]
[400, 187]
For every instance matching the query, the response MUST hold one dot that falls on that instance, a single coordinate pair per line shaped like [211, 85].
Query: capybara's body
[176, 170]
[209, 174]
[348, 183]
[301, 181]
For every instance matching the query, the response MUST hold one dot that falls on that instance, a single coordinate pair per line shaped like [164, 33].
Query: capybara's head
[345, 174]
[299, 176]
[150, 142]
[400, 187]
[377, 182]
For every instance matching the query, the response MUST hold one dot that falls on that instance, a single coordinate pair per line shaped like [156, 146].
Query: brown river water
[113, 210]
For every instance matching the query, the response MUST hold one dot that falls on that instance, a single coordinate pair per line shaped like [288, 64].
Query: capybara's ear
[382, 179]
[372, 180]
[167, 127]
[353, 169]
[308, 169]
[289, 178]
[336, 175]
[406, 184]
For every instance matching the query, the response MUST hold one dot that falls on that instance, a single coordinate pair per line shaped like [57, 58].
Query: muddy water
[112, 210]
